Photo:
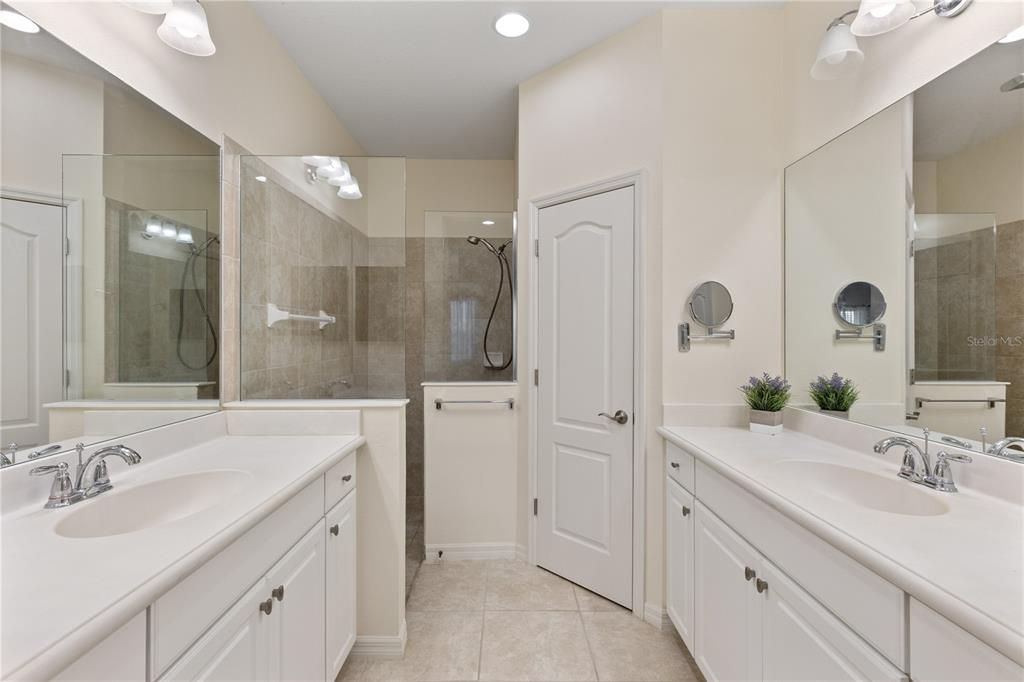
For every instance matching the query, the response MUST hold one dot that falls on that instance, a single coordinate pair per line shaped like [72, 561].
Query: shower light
[838, 53]
[487, 222]
[184, 236]
[185, 29]
[512, 25]
[18, 22]
[1013, 36]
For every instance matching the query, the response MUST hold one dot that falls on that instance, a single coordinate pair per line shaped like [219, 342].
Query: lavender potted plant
[834, 396]
[766, 396]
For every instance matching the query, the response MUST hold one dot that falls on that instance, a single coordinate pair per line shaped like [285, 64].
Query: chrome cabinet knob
[267, 607]
[762, 586]
[278, 593]
[620, 416]
[334, 529]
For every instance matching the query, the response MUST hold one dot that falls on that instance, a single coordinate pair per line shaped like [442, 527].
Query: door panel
[341, 583]
[585, 359]
[31, 318]
[679, 537]
[297, 586]
[727, 610]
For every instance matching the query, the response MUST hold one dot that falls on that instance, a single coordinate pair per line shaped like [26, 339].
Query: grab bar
[991, 401]
[275, 315]
[511, 402]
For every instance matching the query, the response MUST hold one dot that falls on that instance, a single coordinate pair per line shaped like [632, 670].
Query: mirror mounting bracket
[685, 336]
[877, 335]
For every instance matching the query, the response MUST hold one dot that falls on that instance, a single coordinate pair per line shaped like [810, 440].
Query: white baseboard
[471, 551]
[521, 553]
[382, 646]
[657, 616]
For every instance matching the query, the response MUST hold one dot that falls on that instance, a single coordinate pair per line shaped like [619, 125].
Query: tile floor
[506, 621]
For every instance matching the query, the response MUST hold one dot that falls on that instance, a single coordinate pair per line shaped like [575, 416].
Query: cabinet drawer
[942, 650]
[679, 465]
[870, 605]
[180, 616]
[339, 480]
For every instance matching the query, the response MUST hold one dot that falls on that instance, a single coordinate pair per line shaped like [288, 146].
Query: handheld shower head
[474, 240]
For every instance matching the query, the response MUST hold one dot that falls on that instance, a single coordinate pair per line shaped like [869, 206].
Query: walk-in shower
[504, 272]
[195, 253]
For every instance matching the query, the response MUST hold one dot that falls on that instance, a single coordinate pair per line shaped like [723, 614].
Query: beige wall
[250, 89]
[596, 116]
[986, 177]
[455, 185]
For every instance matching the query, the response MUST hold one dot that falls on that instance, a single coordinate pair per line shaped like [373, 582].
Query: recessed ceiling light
[1013, 36]
[261, 178]
[18, 22]
[487, 222]
[512, 25]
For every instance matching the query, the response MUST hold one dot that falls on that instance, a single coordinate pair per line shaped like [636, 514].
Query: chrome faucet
[65, 492]
[999, 448]
[941, 478]
[8, 454]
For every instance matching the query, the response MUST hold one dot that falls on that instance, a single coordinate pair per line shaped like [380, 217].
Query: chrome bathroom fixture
[940, 478]
[860, 305]
[275, 315]
[194, 253]
[1000, 448]
[710, 305]
[335, 172]
[504, 270]
[439, 403]
[65, 492]
[1015, 83]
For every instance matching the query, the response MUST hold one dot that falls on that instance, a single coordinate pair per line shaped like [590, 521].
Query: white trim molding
[470, 551]
[382, 646]
[637, 180]
[658, 617]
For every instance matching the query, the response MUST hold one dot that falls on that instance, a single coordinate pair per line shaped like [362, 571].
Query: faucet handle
[62, 492]
[942, 479]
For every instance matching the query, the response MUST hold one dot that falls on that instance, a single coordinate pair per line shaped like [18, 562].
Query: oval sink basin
[866, 489]
[152, 504]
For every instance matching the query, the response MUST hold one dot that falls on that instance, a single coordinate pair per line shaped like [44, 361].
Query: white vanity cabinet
[752, 622]
[341, 583]
[679, 524]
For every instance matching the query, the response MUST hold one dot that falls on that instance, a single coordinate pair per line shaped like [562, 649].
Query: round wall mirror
[711, 304]
[860, 304]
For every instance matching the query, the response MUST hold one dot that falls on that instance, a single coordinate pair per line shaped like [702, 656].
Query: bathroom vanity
[230, 556]
[790, 557]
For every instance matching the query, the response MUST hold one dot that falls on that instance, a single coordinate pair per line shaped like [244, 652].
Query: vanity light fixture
[184, 236]
[1013, 36]
[876, 17]
[350, 190]
[838, 53]
[185, 29]
[512, 25]
[19, 22]
[153, 227]
[169, 231]
[335, 171]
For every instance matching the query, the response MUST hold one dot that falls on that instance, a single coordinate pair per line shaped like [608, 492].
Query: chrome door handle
[620, 416]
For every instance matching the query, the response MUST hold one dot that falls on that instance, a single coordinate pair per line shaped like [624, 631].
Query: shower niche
[468, 297]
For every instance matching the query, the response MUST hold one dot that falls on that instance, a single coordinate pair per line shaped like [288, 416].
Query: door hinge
[536, 248]
[535, 506]
[536, 377]
[67, 378]
[910, 249]
[67, 246]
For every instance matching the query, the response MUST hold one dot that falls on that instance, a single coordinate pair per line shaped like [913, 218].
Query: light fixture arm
[944, 8]
[840, 19]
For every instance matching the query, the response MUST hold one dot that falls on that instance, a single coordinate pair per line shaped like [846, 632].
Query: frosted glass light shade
[185, 29]
[876, 17]
[838, 54]
[18, 22]
[336, 173]
[350, 190]
[316, 161]
[184, 236]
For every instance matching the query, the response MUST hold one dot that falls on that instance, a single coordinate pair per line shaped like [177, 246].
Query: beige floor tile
[442, 647]
[532, 646]
[449, 586]
[517, 586]
[626, 649]
[588, 601]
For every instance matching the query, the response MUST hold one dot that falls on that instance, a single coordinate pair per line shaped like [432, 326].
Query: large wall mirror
[924, 201]
[110, 256]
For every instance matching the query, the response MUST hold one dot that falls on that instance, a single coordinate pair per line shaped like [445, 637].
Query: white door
[727, 607]
[235, 647]
[679, 539]
[341, 583]
[31, 318]
[297, 588]
[585, 359]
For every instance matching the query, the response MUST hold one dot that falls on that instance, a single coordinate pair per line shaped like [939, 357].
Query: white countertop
[61, 596]
[967, 564]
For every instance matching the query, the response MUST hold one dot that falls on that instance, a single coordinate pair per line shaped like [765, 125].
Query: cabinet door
[679, 536]
[341, 583]
[804, 641]
[296, 584]
[727, 607]
[234, 648]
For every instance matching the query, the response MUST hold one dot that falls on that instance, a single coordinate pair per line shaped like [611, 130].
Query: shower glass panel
[142, 276]
[468, 296]
[323, 280]
[954, 297]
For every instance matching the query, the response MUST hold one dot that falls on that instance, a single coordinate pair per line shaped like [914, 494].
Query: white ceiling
[433, 79]
[964, 106]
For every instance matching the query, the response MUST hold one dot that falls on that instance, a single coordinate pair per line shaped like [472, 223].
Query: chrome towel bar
[438, 402]
[991, 401]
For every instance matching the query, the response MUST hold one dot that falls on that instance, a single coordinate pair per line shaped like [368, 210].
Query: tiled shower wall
[1010, 320]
